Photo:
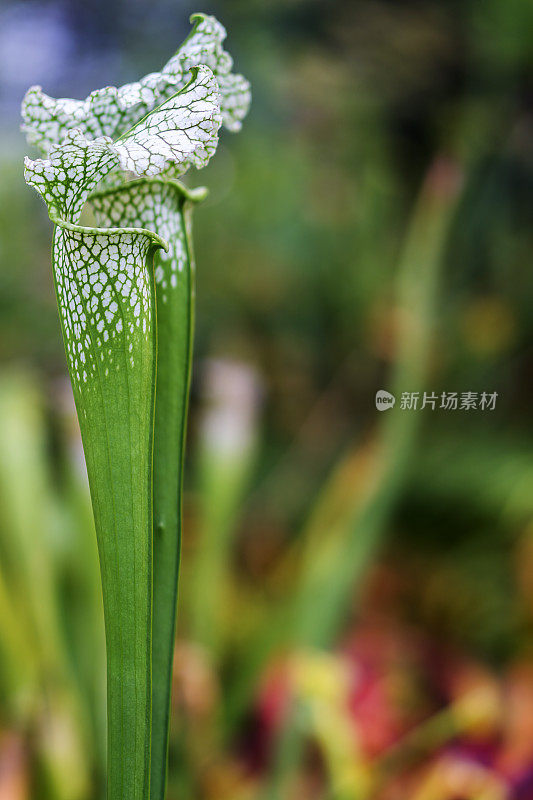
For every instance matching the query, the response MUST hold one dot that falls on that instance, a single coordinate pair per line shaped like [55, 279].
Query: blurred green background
[356, 602]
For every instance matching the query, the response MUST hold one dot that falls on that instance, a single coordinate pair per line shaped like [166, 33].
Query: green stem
[334, 565]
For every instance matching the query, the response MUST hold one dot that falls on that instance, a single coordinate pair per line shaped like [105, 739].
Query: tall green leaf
[166, 122]
[164, 206]
[106, 297]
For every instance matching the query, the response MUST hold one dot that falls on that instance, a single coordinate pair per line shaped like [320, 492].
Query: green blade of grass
[42, 694]
[345, 530]
[227, 447]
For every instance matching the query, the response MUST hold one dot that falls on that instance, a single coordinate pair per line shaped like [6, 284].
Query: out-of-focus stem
[347, 528]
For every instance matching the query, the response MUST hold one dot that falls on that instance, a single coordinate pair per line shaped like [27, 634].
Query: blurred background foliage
[356, 604]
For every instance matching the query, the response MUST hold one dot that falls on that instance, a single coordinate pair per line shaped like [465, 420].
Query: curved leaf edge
[157, 241]
[195, 195]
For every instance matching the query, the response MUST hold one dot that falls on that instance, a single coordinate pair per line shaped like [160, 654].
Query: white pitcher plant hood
[112, 111]
[169, 120]
[182, 131]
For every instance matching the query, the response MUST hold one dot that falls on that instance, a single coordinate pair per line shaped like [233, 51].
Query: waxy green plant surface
[125, 292]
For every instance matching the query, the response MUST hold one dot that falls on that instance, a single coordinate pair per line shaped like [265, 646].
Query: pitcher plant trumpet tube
[125, 294]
